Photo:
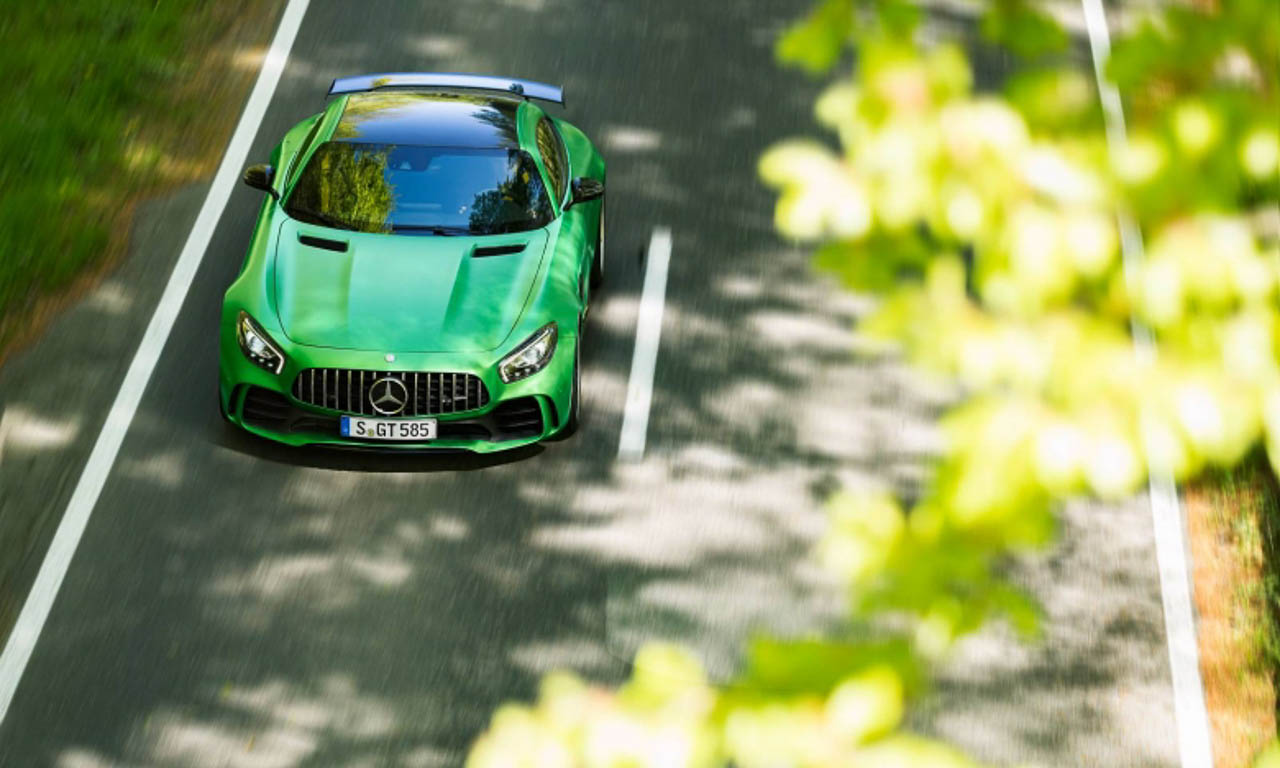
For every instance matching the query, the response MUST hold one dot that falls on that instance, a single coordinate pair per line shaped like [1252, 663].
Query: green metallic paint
[425, 299]
[407, 293]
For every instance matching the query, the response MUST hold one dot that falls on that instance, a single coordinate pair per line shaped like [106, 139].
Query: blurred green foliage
[987, 226]
[101, 108]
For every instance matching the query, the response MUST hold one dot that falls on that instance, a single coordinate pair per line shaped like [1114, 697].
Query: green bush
[99, 93]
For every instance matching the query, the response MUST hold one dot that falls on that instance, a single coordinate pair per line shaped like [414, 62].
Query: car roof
[438, 119]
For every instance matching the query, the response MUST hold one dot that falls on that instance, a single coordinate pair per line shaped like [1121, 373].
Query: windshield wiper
[435, 229]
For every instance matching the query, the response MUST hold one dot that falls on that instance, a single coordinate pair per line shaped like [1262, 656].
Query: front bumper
[515, 415]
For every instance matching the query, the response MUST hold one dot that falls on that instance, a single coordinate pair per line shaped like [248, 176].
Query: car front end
[307, 395]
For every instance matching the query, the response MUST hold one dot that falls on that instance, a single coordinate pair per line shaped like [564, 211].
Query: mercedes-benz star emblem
[388, 396]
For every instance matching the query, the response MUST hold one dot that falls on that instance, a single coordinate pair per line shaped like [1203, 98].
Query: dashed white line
[635, 416]
[1191, 718]
[35, 611]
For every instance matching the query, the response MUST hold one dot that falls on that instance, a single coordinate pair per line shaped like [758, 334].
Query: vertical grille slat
[429, 393]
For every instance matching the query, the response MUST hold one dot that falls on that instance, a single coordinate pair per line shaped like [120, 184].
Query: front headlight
[531, 356]
[257, 345]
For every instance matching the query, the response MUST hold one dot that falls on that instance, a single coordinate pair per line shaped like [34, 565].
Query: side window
[553, 158]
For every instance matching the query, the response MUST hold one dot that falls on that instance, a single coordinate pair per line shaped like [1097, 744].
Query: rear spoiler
[525, 88]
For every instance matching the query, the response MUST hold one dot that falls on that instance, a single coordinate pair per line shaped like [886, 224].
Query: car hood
[402, 293]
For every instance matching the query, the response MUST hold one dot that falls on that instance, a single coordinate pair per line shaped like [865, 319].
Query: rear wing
[525, 88]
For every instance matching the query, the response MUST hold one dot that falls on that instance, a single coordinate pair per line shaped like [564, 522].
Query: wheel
[597, 265]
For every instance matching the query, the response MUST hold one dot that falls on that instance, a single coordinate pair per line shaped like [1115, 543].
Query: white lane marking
[4, 431]
[22, 642]
[1190, 715]
[635, 416]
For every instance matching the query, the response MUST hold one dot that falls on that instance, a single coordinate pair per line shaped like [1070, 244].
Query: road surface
[236, 603]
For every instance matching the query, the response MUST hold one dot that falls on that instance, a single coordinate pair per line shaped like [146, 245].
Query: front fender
[556, 295]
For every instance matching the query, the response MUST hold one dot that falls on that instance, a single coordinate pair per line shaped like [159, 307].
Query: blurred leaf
[1055, 99]
[787, 668]
[898, 19]
[1023, 29]
[875, 265]
[1269, 757]
[816, 42]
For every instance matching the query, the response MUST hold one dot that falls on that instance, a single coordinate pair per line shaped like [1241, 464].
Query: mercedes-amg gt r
[419, 271]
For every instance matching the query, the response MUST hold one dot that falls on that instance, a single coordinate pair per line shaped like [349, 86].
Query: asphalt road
[234, 603]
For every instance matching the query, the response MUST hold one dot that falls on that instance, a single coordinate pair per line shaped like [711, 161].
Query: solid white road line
[1190, 715]
[635, 416]
[17, 652]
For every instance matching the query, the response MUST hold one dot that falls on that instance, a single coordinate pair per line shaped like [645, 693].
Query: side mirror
[260, 177]
[585, 189]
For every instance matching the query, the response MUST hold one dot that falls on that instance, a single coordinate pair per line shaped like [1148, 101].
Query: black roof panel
[429, 119]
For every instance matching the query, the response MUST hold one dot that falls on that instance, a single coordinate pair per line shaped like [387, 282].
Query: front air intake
[323, 242]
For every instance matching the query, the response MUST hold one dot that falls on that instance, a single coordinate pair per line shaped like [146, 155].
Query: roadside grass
[108, 102]
[1234, 524]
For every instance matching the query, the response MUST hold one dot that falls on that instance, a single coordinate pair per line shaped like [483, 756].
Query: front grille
[427, 394]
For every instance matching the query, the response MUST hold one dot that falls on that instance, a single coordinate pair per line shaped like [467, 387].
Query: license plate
[411, 430]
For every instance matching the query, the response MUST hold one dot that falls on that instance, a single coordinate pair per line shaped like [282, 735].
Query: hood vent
[325, 243]
[498, 250]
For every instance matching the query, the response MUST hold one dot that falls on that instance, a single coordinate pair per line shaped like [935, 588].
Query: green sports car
[419, 271]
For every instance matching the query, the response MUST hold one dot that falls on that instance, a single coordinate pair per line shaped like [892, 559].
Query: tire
[222, 411]
[575, 399]
[597, 264]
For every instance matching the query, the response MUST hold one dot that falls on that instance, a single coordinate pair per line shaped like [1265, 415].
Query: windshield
[423, 190]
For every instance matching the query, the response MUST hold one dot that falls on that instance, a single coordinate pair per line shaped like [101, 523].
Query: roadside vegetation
[108, 102]
[1233, 518]
[984, 220]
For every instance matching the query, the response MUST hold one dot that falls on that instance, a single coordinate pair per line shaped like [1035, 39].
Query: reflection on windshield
[347, 190]
[428, 119]
[432, 190]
